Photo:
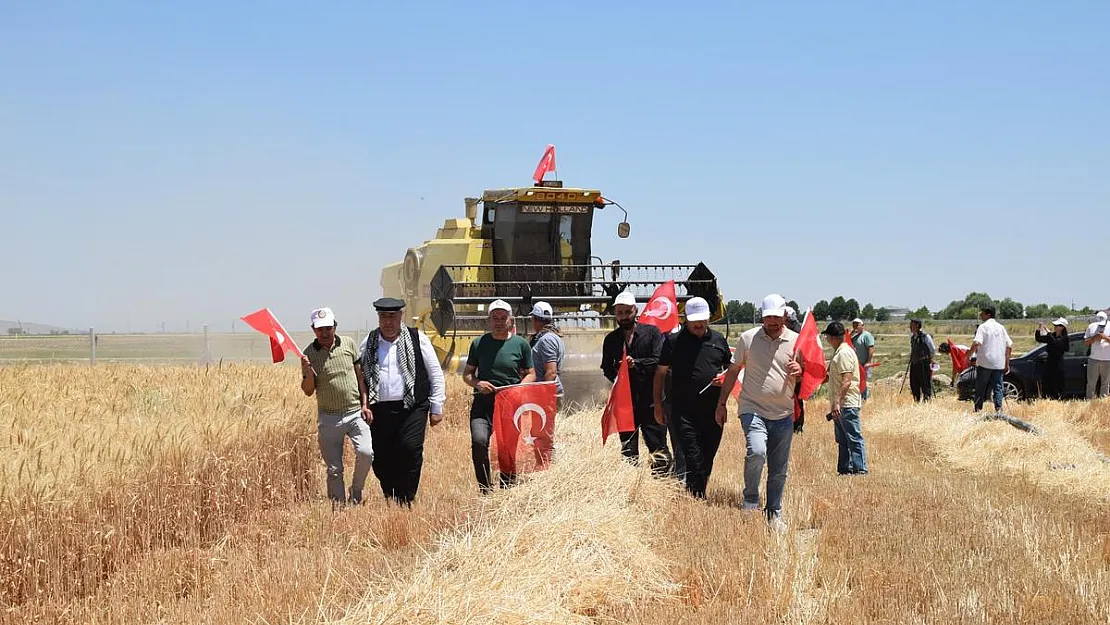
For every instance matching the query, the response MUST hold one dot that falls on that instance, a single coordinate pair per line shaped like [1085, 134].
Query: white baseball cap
[626, 298]
[774, 305]
[1100, 315]
[542, 310]
[857, 320]
[323, 318]
[1060, 322]
[697, 309]
[500, 304]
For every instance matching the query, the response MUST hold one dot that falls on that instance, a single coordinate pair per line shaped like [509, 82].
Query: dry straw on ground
[567, 543]
[185, 495]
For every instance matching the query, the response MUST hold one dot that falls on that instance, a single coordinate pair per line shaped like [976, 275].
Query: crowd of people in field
[383, 392]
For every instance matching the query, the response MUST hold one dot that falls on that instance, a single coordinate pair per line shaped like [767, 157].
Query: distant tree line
[840, 309]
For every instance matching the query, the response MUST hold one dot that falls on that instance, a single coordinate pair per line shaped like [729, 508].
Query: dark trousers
[700, 437]
[679, 466]
[481, 429]
[1052, 383]
[921, 381]
[988, 381]
[655, 438]
[398, 439]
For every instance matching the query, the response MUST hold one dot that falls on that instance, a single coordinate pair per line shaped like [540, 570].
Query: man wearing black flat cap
[404, 384]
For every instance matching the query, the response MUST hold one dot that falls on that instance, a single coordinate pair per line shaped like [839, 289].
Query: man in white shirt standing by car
[1098, 363]
[992, 343]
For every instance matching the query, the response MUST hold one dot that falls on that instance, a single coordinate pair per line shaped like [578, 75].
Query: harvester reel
[443, 315]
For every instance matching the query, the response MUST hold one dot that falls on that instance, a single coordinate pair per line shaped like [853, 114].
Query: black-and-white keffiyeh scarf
[406, 360]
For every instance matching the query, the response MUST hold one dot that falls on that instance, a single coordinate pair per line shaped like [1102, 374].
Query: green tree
[868, 312]
[821, 310]
[1037, 311]
[747, 312]
[795, 306]
[882, 314]
[1059, 310]
[732, 311]
[838, 308]
[1009, 309]
[921, 313]
[852, 309]
[969, 312]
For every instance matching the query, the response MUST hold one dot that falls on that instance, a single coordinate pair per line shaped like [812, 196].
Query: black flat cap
[835, 328]
[389, 304]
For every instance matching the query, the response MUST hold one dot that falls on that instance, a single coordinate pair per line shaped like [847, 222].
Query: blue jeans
[988, 380]
[852, 457]
[768, 443]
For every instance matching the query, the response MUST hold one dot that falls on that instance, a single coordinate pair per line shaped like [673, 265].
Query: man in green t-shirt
[864, 344]
[845, 403]
[498, 358]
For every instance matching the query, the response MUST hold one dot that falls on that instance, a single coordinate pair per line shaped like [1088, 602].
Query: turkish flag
[862, 368]
[280, 342]
[959, 357]
[618, 416]
[735, 387]
[662, 310]
[814, 357]
[546, 164]
[524, 427]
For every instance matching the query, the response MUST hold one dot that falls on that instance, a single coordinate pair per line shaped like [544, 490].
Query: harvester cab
[524, 245]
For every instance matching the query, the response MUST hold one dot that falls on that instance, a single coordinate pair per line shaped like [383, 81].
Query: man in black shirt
[694, 356]
[640, 344]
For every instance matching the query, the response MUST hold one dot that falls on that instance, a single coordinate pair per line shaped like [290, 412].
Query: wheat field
[136, 494]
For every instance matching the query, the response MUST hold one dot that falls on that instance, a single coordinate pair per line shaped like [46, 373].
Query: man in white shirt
[404, 384]
[1098, 363]
[993, 345]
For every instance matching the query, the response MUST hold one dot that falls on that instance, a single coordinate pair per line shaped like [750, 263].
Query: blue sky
[192, 162]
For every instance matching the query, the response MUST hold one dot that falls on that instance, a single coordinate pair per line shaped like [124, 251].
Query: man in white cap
[497, 358]
[1056, 347]
[331, 370]
[771, 367]
[864, 344]
[694, 356]
[1098, 363]
[405, 391]
[548, 349]
[639, 344]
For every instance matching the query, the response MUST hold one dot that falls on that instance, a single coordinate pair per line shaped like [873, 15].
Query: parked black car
[1024, 379]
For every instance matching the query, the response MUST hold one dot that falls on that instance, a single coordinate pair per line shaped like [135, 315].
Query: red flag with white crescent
[618, 416]
[813, 356]
[524, 427]
[546, 164]
[662, 309]
[280, 342]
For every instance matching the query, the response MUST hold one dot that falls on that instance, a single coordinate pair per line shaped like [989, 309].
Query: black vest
[423, 386]
[919, 349]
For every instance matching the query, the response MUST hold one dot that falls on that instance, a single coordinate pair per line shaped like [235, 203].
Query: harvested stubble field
[184, 495]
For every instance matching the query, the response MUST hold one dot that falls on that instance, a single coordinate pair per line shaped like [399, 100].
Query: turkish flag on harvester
[662, 309]
[959, 357]
[617, 416]
[527, 409]
[812, 354]
[546, 164]
[862, 368]
[280, 342]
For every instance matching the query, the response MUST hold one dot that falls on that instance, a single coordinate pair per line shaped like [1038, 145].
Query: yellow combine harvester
[523, 245]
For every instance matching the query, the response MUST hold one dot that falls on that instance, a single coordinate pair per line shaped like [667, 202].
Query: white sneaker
[749, 507]
[776, 523]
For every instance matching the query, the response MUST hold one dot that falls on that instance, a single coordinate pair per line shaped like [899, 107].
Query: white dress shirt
[391, 385]
[993, 339]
